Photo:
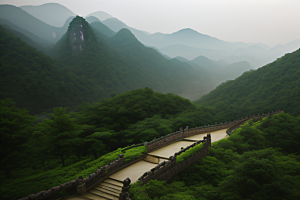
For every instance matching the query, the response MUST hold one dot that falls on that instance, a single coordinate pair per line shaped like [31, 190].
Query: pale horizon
[270, 22]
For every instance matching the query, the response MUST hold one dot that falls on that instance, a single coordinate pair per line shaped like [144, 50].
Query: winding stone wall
[159, 143]
[163, 171]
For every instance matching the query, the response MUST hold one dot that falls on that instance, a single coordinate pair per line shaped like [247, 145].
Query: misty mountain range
[119, 58]
[186, 43]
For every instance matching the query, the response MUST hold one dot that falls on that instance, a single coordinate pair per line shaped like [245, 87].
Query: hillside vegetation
[260, 160]
[272, 87]
[69, 145]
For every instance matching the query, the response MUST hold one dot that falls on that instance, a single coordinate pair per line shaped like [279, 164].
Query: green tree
[16, 126]
[63, 134]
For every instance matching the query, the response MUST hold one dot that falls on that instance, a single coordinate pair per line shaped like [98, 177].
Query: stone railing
[80, 185]
[183, 133]
[167, 169]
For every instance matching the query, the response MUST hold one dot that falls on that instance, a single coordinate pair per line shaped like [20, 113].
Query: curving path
[111, 187]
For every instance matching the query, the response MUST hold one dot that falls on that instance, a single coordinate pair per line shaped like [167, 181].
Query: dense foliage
[30, 181]
[141, 115]
[272, 87]
[69, 145]
[255, 162]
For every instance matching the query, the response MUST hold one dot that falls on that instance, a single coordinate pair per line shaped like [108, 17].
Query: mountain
[272, 87]
[35, 81]
[156, 49]
[190, 53]
[102, 28]
[206, 63]
[221, 70]
[100, 15]
[24, 20]
[190, 44]
[255, 61]
[53, 14]
[115, 24]
[122, 63]
[190, 37]
[187, 61]
[92, 19]
[186, 37]
[26, 36]
[280, 49]
[231, 71]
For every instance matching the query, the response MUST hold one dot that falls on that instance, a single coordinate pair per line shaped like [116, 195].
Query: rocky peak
[77, 33]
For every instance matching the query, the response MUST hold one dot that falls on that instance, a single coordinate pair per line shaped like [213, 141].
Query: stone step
[103, 194]
[114, 182]
[107, 191]
[93, 197]
[113, 187]
[77, 198]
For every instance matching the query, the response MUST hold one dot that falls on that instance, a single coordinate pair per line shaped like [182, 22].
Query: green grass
[188, 153]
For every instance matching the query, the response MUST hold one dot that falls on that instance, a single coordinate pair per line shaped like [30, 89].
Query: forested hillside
[35, 82]
[73, 140]
[258, 161]
[272, 87]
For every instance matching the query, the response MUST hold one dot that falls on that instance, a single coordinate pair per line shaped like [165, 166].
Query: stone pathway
[111, 187]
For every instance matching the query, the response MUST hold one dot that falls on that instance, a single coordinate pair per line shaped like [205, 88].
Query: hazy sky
[267, 21]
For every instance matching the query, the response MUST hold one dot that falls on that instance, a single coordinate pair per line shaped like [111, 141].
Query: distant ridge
[53, 14]
[99, 26]
[115, 24]
[24, 20]
[100, 15]
[34, 40]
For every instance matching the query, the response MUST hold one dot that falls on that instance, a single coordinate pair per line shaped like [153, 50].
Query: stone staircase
[109, 189]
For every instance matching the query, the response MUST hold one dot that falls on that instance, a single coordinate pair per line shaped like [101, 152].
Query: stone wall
[163, 171]
[79, 185]
[173, 137]
[167, 169]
